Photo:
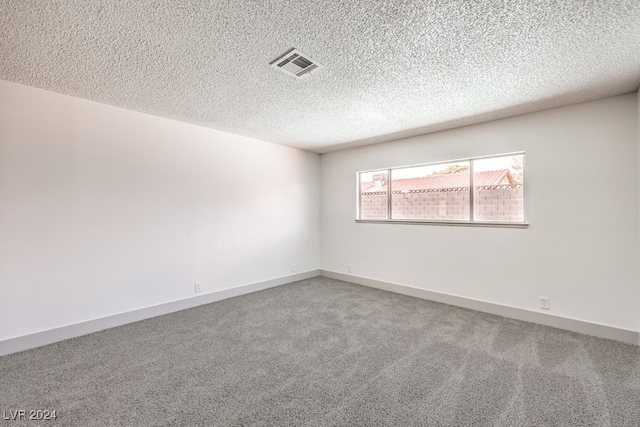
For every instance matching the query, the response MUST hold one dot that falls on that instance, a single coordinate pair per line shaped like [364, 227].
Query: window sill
[450, 223]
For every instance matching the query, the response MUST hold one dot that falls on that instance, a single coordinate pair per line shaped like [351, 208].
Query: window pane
[373, 195]
[499, 189]
[434, 192]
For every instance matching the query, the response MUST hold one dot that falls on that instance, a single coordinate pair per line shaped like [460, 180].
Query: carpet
[323, 352]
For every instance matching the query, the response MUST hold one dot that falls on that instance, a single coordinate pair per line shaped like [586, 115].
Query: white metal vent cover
[296, 64]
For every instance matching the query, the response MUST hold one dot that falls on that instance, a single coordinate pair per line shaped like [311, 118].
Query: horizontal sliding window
[475, 190]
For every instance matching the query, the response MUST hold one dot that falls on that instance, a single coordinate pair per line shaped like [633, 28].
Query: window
[483, 190]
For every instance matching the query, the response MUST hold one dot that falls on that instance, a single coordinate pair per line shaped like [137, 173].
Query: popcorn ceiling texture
[393, 68]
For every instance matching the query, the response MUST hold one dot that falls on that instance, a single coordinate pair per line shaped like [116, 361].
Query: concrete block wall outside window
[495, 203]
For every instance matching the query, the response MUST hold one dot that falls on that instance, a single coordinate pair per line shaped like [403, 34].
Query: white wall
[582, 193]
[104, 210]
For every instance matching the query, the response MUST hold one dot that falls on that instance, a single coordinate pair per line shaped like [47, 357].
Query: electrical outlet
[349, 268]
[545, 303]
[197, 287]
[293, 268]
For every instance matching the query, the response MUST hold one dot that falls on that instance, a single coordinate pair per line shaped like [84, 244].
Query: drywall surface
[104, 210]
[580, 250]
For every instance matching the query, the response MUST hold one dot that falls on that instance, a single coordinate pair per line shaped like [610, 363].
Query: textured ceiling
[393, 68]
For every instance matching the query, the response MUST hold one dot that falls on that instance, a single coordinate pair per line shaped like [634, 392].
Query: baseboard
[25, 342]
[580, 326]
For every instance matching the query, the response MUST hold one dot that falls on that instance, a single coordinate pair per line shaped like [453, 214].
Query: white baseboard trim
[37, 339]
[574, 325]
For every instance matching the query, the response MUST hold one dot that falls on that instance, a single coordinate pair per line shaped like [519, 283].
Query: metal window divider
[389, 209]
[471, 213]
[359, 189]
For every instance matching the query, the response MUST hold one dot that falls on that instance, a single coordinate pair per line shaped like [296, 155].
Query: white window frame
[469, 222]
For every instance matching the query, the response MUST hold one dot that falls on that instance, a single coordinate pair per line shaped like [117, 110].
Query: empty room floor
[327, 352]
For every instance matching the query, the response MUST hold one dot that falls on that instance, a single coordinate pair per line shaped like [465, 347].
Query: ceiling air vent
[296, 63]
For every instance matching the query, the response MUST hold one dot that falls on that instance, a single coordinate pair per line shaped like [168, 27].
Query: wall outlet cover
[545, 303]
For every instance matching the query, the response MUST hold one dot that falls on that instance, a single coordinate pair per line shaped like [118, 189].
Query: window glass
[433, 192]
[374, 201]
[498, 189]
[476, 190]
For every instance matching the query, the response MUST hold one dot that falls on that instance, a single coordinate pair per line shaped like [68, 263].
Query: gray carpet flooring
[325, 352]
